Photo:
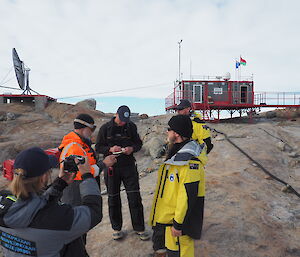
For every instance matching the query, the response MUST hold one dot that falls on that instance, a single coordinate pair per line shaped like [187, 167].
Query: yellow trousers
[182, 246]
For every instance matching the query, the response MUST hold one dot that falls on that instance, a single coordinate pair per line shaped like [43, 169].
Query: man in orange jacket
[78, 142]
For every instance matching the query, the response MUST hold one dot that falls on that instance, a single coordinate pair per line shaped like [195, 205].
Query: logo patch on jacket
[172, 177]
[17, 244]
[194, 166]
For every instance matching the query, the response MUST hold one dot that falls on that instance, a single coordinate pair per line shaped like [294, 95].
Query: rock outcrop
[88, 104]
[246, 213]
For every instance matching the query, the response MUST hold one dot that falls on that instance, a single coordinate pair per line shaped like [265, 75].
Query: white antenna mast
[179, 64]
[191, 69]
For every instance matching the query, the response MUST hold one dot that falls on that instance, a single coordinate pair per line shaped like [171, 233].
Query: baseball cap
[35, 162]
[124, 113]
[184, 103]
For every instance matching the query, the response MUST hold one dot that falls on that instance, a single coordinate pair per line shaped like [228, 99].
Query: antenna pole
[179, 56]
[191, 69]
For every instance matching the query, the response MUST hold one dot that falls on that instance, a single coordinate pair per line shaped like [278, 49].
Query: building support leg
[251, 116]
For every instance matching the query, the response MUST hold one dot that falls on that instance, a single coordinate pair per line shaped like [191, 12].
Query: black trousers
[130, 178]
[74, 249]
[158, 237]
[71, 195]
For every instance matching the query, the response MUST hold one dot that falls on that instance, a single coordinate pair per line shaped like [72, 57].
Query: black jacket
[40, 226]
[110, 135]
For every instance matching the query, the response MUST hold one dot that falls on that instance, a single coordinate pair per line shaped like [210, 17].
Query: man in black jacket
[119, 136]
[33, 223]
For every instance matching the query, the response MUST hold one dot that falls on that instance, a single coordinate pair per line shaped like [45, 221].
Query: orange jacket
[71, 144]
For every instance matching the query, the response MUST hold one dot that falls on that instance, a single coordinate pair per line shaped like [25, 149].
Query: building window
[218, 91]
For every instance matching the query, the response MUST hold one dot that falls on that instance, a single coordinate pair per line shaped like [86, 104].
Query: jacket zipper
[177, 176]
[157, 195]
[166, 176]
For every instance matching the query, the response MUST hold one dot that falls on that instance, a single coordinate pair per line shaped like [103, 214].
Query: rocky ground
[246, 212]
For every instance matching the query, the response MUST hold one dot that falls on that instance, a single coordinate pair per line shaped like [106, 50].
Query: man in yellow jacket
[178, 202]
[201, 131]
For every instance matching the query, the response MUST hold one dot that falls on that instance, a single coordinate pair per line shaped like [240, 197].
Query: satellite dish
[227, 76]
[19, 69]
[22, 73]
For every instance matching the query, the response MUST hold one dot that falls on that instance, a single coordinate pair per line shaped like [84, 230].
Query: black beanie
[84, 117]
[182, 125]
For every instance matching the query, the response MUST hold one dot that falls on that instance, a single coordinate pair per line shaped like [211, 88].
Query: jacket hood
[190, 150]
[69, 138]
[22, 212]
[196, 115]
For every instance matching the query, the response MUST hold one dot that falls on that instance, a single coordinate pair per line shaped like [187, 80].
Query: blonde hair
[21, 187]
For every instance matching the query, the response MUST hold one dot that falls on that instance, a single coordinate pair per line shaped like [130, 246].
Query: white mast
[179, 64]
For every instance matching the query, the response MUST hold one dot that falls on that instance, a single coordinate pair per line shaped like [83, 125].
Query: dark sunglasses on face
[169, 129]
[93, 128]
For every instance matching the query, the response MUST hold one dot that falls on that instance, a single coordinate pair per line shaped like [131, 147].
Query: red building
[216, 94]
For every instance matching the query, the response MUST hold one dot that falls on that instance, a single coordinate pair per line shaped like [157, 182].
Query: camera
[70, 165]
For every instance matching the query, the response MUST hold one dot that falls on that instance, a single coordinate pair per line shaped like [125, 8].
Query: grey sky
[78, 47]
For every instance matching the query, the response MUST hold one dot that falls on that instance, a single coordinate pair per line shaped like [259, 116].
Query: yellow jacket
[180, 190]
[201, 132]
[200, 129]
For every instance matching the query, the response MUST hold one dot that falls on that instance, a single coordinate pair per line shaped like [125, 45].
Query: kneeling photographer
[32, 222]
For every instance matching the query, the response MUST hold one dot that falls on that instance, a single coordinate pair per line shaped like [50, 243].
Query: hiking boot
[144, 235]
[159, 253]
[118, 235]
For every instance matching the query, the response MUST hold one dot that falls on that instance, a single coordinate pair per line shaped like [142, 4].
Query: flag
[242, 61]
[237, 64]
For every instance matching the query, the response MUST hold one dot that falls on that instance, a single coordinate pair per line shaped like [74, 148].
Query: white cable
[115, 91]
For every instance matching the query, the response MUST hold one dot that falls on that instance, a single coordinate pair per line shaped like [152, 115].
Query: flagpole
[240, 71]
[236, 69]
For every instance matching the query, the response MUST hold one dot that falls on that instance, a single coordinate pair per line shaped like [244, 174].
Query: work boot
[118, 235]
[144, 235]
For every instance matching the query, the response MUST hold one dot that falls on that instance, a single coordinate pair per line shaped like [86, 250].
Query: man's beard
[87, 136]
[171, 140]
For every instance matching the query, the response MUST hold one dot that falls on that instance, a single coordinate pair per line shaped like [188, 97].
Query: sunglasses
[93, 128]
[169, 129]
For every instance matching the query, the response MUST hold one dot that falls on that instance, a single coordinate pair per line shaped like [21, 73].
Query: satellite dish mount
[27, 88]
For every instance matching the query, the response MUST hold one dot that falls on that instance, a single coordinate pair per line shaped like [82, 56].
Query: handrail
[214, 77]
[236, 97]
